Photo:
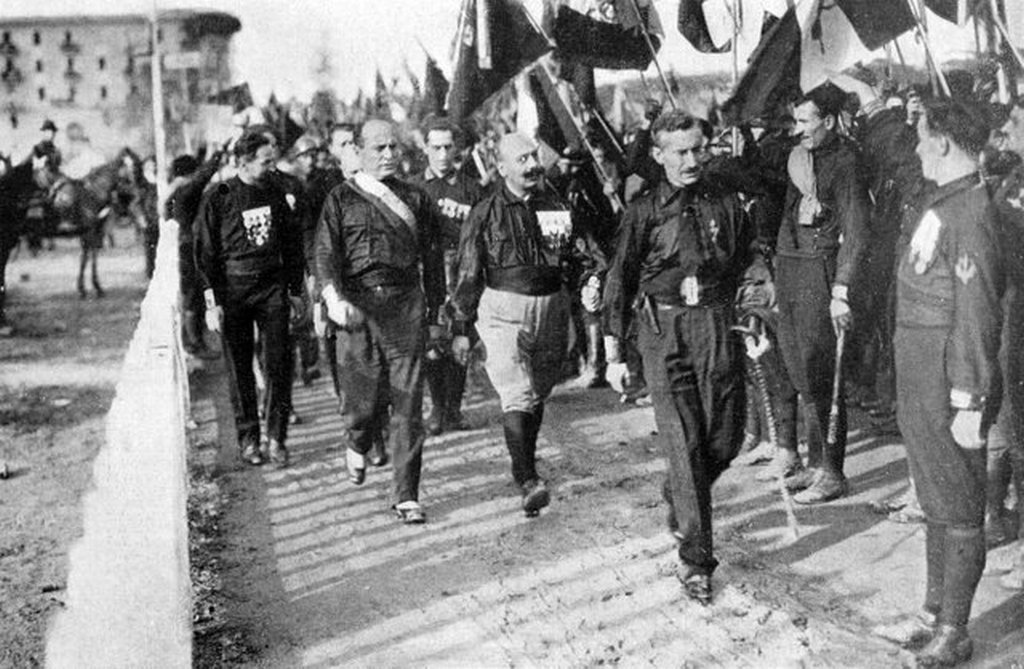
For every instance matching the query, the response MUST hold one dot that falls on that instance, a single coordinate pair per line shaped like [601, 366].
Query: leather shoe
[784, 463]
[277, 453]
[949, 647]
[910, 632]
[356, 464]
[535, 497]
[826, 487]
[250, 452]
[410, 513]
[801, 479]
[696, 584]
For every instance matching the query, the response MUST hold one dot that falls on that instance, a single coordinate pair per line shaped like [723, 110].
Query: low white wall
[128, 598]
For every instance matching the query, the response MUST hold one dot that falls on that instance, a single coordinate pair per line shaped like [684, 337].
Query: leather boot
[949, 647]
[935, 566]
[595, 357]
[964, 564]
[516, 424]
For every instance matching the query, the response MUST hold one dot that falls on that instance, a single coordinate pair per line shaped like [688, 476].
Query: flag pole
[998, 20]
[654, 55]
[159, 133]
[735, 67]
[928, 49]
[617, 205]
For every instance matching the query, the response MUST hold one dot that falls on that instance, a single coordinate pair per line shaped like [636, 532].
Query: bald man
[512, 249]
[381, 276]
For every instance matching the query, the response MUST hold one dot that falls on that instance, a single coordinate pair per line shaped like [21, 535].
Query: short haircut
[435, 123]
[677, 119]
[250, 142]
[964, 123]
[184, 165]
[828, 99]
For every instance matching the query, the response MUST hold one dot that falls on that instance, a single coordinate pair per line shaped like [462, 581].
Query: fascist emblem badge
[966, 269]
[257, 224]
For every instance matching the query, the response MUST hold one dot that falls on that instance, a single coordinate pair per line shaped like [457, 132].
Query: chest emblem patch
[555, 227]
[924, 242]
[966, 269]
[257, 224]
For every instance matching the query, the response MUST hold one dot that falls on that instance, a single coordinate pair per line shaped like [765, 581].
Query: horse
[15, 183]
[81, 207]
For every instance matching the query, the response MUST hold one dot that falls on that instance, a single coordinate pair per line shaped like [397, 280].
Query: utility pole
[159, 134]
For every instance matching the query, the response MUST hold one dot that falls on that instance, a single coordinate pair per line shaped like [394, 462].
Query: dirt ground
[314, 572]
[57, 375]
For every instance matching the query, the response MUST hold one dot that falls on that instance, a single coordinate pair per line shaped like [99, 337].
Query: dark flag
[610, 36]
[876, 23]
[772, 76]
[693, 25]
[381, 96]
[952, 10]
[555, 124]
[239, 97]
[435, 89]
[496, 39]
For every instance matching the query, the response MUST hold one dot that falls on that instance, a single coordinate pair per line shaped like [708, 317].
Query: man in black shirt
[248, 251]
[455, 194]
[684, 249]
[379, 271]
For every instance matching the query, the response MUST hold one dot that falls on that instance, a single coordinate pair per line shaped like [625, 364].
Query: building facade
[91, 75]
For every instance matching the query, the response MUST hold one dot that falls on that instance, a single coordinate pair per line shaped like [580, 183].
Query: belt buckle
[689, 289]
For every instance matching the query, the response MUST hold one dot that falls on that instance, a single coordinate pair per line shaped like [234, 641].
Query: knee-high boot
[517, 436]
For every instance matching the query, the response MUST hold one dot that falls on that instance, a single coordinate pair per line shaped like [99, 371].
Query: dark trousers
[251, 302]
[950, 480]
[808, 346]
[694, 372]
[447, 381]
[379, 363]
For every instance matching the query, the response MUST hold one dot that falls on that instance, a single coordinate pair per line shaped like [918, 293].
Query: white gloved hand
[612, 349]
[460, 349]
[590, 295]
[966, 429]
[214, 318]
[342, 312]
[841, 314]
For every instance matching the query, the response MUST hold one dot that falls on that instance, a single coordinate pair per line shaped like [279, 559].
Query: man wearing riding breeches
[248, 251]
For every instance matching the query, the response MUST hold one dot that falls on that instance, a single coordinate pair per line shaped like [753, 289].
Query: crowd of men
[880, 237]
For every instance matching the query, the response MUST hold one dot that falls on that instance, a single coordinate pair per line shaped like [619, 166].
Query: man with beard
[249, 257]
[455, 194]
[514, 245]
[380, 273]
[684, 250]
[820, 249]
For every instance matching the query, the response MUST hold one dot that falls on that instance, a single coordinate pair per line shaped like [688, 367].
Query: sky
[282, 41]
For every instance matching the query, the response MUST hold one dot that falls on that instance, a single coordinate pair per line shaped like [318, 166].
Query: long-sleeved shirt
[247, 230]
[842, 228]
[360, 243]
[672, 233]
[185, 201]
[510, 243]
[454, 196]
[950, 276]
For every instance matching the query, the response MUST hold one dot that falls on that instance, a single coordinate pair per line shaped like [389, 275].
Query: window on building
[7, 36]
[71, 64]
[134, 89]
[39, 66]
[36, 38]
[42, 93]
[103, 92]
[102, 63]
[159, 34]
[9, 65]
[67, 36]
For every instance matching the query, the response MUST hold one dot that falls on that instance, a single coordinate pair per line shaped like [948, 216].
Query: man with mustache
[821, 247]
[514, 246]
[379, 270]
[685, 249]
